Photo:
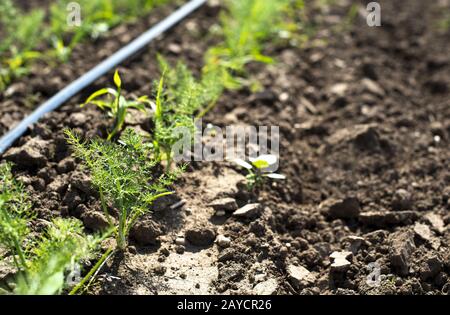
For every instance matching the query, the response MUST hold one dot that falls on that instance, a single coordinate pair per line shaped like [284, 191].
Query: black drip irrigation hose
[105, 66]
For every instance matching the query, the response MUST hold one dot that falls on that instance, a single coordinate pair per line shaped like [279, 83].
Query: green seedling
[117, 105]
[25, 32]
[124, 175]
[245, 27]
[16, 66]
[258, 170]
[20, 36]
[179, 100]
[54, 255]
[22, 31]
[15, 213]
[42, 262]
[98, 16]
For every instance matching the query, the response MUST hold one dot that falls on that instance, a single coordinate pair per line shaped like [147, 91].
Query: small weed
[258, 170]
[117, 105]
[180, 98]
[124, 175]
[245, 27]
[15, 214]
[62, 246]
[23, 33]
[41, 261]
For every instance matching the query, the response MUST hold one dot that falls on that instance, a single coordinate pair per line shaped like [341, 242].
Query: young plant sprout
[259, 170]
[55, 254]
[245, 27]
[117, 105]
[15, 212]
[41, 261]
[125, 176]
[23, 32]
[180, 98]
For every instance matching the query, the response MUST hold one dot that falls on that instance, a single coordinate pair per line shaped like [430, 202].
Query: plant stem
[104, 207]
[22, 259]
[121, 237]
[207, 109]
[97, 266]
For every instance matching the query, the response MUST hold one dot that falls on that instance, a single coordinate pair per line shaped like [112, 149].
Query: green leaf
[117, 80]
[100, 93]
[262, 58]
[158, 111]
[101, 104]
[136, 105]
[242, 163]
[52, 284]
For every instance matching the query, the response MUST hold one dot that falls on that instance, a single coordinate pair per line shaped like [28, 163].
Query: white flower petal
[275, 176]
[242, 163]
[268, 158]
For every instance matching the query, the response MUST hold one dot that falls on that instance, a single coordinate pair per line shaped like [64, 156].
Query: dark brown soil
[27, 5]
[365, 122]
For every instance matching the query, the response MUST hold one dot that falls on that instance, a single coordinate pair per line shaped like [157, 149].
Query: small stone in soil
[424, 232]
[223, 241]
[339, 89]
[164, 251]
[373, 87]
[178, 204]
[323, 248]
[146, 232]
[180, 249]
[95, 220]
[300, 276]
[401, 249]
[248, 211]
[174, 48]
[77, 119]
[364, 137]
[225, 204]
[341, 261]
[383, 218]
[355, 242]
[341, 209]
[402, 200]
[180, 241]
[283, 97]
[430, 268]
[201, 236]
[268, 287]
[435, 221]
